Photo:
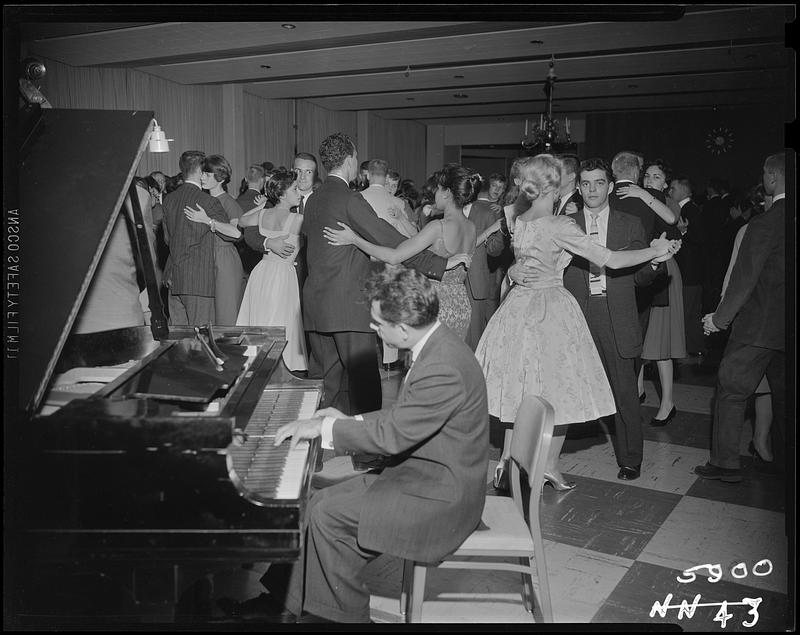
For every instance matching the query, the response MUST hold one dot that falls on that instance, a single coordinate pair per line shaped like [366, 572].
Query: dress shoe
[262, 608]
[629, 473]
[558, 484]
[715, 473]
[657, 423]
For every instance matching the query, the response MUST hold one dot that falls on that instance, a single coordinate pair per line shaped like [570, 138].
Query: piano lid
[72, 183]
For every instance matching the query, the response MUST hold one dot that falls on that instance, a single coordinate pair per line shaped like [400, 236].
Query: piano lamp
[158, 140]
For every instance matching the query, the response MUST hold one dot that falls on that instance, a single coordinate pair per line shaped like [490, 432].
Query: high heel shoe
[558, 485]
[756, 454]
[657, 423]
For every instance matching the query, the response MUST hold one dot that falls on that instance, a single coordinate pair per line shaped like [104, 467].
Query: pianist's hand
[299, 430]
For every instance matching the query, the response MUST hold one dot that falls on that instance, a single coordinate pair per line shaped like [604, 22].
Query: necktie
[302, 205]
[595, 283]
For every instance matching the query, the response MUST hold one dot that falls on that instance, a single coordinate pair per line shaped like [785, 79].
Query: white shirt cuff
[326, 432]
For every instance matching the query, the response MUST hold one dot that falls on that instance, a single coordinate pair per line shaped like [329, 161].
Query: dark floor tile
[645, 584]
[687, 428]
[757, 489]
[616, 519]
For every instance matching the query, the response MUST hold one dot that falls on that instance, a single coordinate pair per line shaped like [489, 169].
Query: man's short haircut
[684, 181]
[393, 175]
[335, 149]
[596, 163]
[377, 167]
[570, 163]
[191, 161]
[776, 164]
[495, 176]
[720, 186]
[364, 165]
[254, 173]
[305, 156]
[626, 165]
[404, 296]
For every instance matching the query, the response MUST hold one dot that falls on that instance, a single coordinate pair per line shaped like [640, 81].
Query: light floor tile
[701, 531]
[666, 467]
[581, 580]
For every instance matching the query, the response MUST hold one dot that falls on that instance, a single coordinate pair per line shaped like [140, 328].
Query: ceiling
[617, 58]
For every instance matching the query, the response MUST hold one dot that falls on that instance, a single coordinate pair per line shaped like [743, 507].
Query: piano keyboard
[263, 469]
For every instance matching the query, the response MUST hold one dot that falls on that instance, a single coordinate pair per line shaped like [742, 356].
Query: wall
[316, 123]
[401, 143]
[191, 115]
[269, 132]
[679, 137]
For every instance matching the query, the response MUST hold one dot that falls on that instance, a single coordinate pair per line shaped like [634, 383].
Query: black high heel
[657, 423]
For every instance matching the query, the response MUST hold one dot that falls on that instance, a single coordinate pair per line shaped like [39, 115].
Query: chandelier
[549, 135]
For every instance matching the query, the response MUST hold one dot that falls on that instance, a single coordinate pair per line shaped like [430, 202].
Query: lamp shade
[158, 140]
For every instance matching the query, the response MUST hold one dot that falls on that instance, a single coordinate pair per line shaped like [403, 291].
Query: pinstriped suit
[421, 507]
[190, 269]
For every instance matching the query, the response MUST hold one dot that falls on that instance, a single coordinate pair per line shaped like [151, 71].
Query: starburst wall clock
[719, 140]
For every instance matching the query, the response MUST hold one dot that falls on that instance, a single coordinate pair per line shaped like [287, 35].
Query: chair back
[530, 445]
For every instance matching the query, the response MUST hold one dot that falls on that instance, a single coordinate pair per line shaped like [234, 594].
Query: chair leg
[545, 604]
[527, 586]
[414, 612]
[405, 586]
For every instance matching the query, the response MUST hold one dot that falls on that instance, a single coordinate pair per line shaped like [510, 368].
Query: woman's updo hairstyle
[541, 173]
[279, 181]
[465, 184]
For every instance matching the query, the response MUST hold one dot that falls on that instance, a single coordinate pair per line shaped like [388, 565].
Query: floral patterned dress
[455, 310]
[538, 342]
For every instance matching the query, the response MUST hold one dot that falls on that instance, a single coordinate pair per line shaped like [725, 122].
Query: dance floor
[618, 552]
[615, 550]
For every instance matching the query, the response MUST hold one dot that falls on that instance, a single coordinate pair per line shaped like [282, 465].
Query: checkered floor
[615, 549]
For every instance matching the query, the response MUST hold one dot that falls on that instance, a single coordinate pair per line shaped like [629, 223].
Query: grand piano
[143, 449]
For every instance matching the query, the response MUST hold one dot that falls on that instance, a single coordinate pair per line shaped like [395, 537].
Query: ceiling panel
[530, 72]
[714, 55]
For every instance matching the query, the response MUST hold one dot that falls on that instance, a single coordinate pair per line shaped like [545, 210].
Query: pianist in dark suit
[435, 438]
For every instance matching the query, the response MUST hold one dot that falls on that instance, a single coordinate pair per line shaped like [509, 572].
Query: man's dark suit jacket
[624, 232]
[691, 257]
[430, 499]
[756, 292]
[250, 257]
[650, 295]
[575, 197]
[481, 282]
[637, 207]
[333, 298]
[190, 268]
